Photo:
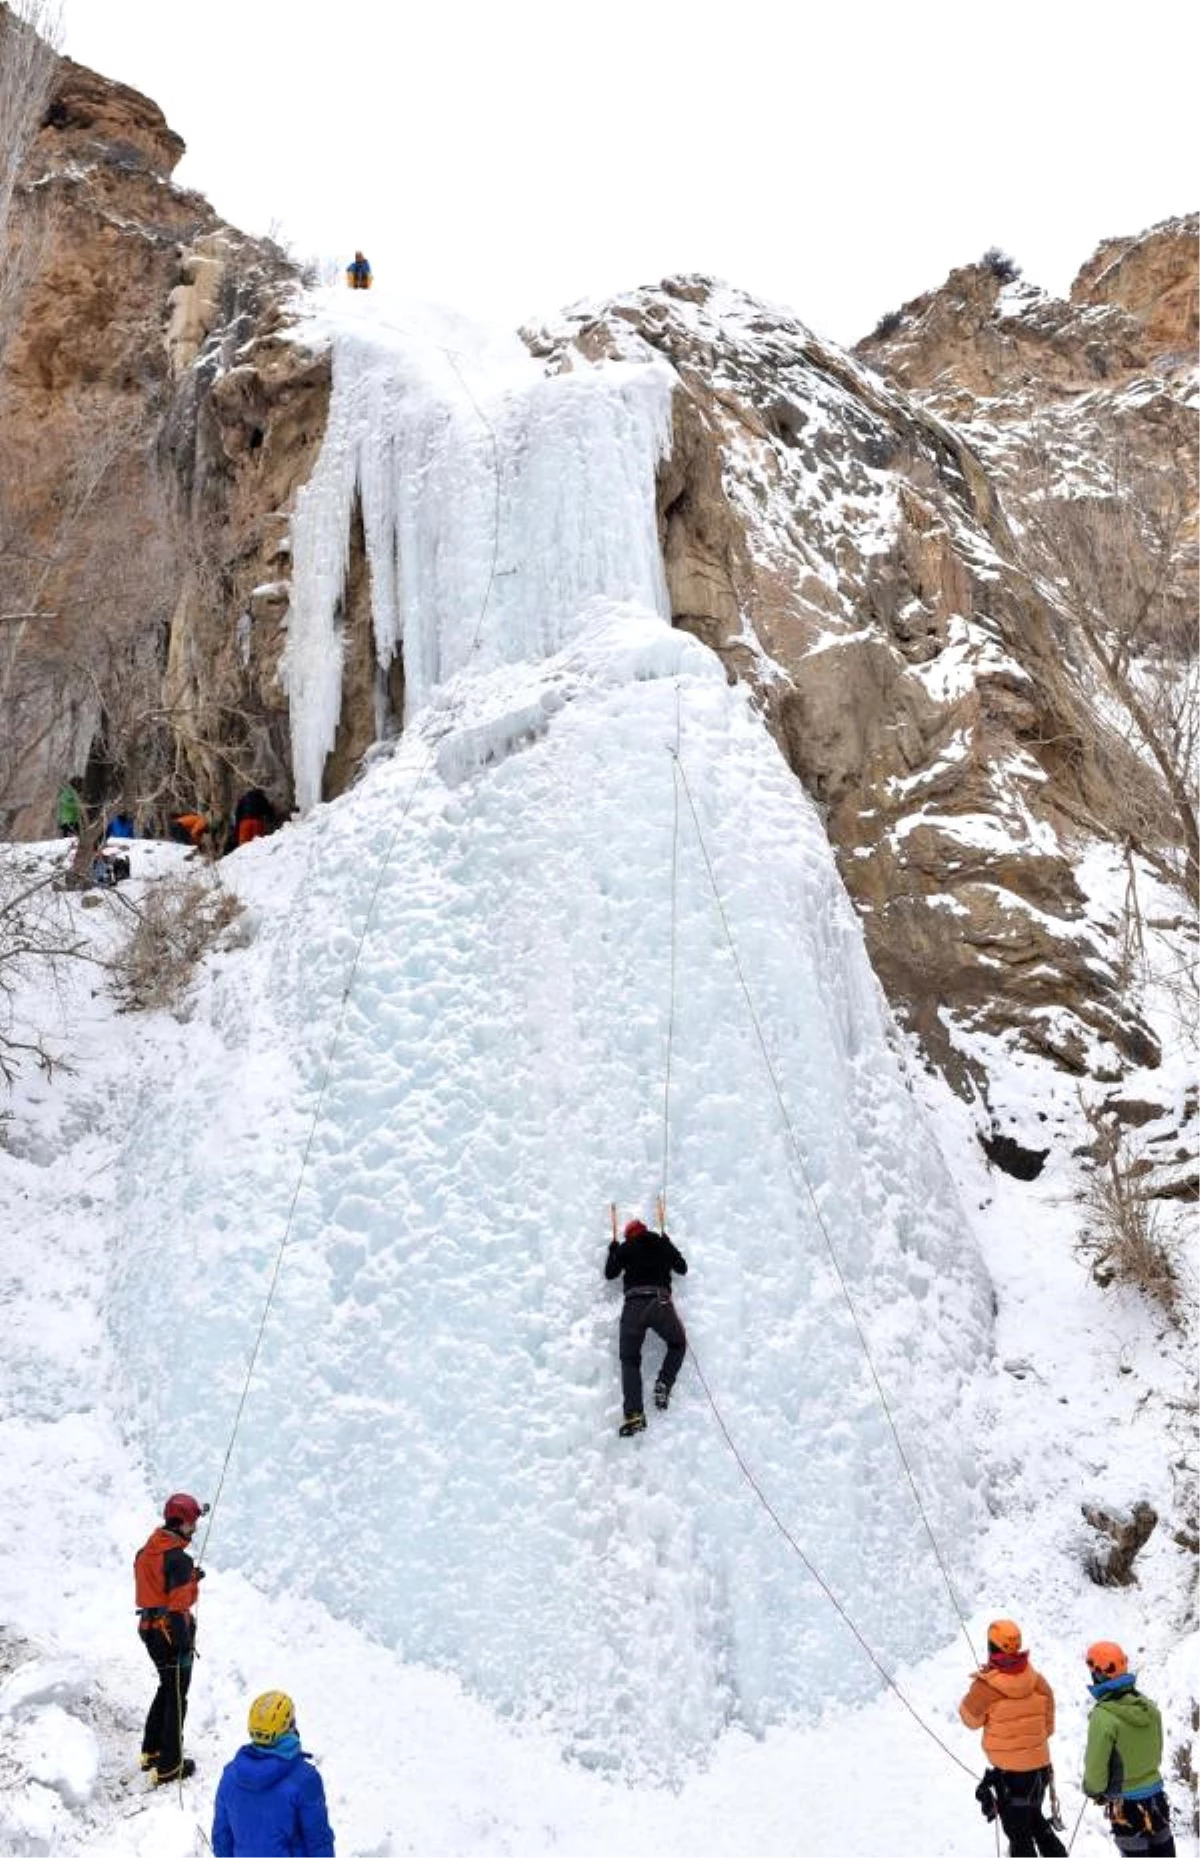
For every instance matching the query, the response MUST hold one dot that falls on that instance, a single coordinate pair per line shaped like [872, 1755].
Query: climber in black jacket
[647, 1260]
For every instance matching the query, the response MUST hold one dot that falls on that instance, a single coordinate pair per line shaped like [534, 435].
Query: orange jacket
[1015, 1710]
[194, 824]
[164, 1577]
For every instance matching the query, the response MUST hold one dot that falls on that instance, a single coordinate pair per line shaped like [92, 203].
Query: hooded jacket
[271, 1805]
[1015, 1710]
[1124, 1744]
[166, 1585]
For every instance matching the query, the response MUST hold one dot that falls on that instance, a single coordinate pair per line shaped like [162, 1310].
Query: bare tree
[1123, 1234]
[35, 939]
[30, 32]
[1119, 552]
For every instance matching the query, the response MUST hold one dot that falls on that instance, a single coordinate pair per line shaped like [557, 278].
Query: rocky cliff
[848, 532]
[126, 427]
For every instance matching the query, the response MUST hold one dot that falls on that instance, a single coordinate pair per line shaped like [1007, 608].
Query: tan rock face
[1153, 278]
[144, 480]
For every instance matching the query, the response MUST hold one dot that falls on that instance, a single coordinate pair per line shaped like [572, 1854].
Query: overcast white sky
[510, 156]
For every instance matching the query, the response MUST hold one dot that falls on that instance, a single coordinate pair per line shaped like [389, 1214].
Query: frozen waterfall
[429, 1445]
[495, 502]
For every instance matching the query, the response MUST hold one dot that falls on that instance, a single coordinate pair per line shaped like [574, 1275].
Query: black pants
[642, 1310]
[1142, 1828]
[1019, 1797]
[163, 1734]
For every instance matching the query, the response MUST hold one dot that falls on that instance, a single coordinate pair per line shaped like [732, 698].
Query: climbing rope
[816, 1574]
[681, 777]
[666, 1132]
[348, 987]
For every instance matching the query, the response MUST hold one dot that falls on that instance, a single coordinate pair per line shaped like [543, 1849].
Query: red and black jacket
[166, 1585]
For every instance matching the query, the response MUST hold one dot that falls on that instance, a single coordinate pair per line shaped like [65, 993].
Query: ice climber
[647, 1260]
[166, 1584]
[1122, 1766]
[1014, 1706]
[358, 274]
[270, 1798]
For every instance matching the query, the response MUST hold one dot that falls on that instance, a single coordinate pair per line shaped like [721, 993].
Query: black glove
[987, 1799]
[199, 1573]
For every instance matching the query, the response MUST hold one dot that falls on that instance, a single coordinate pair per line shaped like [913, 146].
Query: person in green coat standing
[1124, 1752]
[69, 809]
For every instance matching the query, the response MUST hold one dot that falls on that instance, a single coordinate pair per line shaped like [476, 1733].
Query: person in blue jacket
[270, 1799]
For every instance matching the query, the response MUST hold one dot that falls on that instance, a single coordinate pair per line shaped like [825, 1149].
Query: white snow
[431, 1055]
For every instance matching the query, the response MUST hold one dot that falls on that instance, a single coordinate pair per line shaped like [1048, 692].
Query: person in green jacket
[1124, 1752]
[69, 810]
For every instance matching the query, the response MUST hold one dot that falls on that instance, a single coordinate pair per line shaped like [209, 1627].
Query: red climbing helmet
[635, 1229]
[183, 1509]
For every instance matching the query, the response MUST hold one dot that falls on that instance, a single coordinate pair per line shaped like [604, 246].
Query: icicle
[494, 508]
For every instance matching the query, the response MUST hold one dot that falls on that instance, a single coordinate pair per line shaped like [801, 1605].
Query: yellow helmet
[271, 1716]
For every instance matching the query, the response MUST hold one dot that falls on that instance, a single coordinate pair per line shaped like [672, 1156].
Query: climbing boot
[662, 1394]
[634, 1422]
[148, 1761]
[164, 1776]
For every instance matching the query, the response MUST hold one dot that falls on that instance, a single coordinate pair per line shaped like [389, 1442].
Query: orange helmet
[1107, 1659]
[1004, 1635]
[635, 1229]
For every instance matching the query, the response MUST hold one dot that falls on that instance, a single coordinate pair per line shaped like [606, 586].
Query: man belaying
[166, 1585]
[1014, 1706]
[358, 273]
[647, 1260]
[270, 1797]
[1123, 1763]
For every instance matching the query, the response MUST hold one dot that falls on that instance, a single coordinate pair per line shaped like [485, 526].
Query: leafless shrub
[35, 940]
[1000, 264]
[1119, 554]
[177, 922]
[1122, 1234]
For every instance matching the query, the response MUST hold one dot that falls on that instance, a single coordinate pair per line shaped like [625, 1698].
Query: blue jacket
[270, 1807]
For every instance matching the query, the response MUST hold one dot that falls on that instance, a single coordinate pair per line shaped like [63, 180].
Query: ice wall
[495, 502]
[430, 1443]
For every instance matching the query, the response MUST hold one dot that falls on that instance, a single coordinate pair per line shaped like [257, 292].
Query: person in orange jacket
[1014, 1706]
[166, 1586]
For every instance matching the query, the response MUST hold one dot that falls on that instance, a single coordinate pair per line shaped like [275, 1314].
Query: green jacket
[1124, 1746]
[68, 806]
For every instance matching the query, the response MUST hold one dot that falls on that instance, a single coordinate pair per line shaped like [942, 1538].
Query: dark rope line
[666, 1137]
[795, 1145]
[353, 971]
[816, 1574]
